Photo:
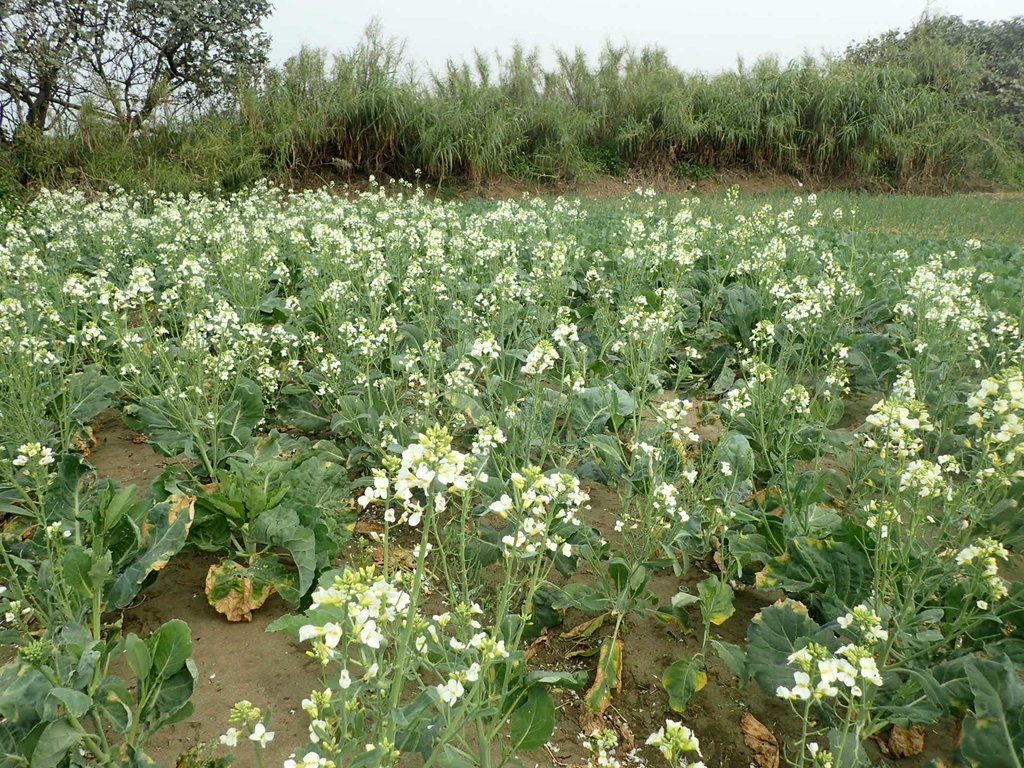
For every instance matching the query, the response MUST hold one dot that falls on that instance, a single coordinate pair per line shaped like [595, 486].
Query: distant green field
[990, 218]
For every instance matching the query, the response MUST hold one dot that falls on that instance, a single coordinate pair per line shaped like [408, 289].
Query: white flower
[451, 691]
[261, 735]
[332, 635]
[230, 737]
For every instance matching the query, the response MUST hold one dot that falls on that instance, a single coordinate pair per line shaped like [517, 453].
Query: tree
[983, 59]
[41, 45]
[126, 58]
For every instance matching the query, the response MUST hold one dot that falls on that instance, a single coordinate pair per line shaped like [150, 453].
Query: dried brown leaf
[591, 721]
[536, 645]
[760, 740]
[902, 742]
[239, 604]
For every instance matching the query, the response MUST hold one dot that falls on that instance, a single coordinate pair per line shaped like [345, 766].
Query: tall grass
[890, 123]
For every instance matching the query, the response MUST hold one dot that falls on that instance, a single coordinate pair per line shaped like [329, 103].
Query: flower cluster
[925, 478]
[543, 510]
[541, 358]
[429, 465]
[997, 411]
[363, 605]
[674, 740]
[602, 748]
[672, 415]
[251, 720]
[31, 455]
[822, 674]
[897, 423]
[979, 563]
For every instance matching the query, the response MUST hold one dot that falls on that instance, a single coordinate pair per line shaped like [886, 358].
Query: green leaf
[773, 634]
[993, 735]
[740, 311]
[734, 657]
[558, 679]
[140, 660]
[172, 701]
[836, 575]
[303, 411]
[735, 449]
[682, 679]
[113, 698]
[584, 597]
[609, 455]
[683, 599]
[87, 393]
[22, 689]
[76, 564]
[716, 600]
[74, 702]
[153, 416]
[847, 749]
[533, 721]
[162, 536]
[595, 406]
[56, 740]
[171, 648]
[281, 527]
[241, 414]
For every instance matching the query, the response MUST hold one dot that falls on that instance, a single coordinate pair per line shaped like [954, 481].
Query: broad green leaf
[456, 758]
[533, 721]
[735, 449]
[56, 740]
[155, 418]
[76, 564]
[774, 633]
[993, 735]
[87, 393]
[113, 698]
[171, 648]
[303, 411]
[716, 600]
[74, 702]
[595, 406]
[140, 660]
[682, 679]
[240, 415]
[573, 680]
[734, 657]
[834, 574]
[172, 703]
[161, 537]
[740, 311]
[281, 527]
[847, 749]
[584, 597]
[683, 599]
[609, 455]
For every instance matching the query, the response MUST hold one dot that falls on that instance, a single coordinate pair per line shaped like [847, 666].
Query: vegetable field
[534, 482]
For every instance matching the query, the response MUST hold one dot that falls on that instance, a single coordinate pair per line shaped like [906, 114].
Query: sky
[708, 35]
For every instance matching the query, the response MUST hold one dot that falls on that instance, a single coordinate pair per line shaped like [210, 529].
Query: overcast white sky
[704, 34]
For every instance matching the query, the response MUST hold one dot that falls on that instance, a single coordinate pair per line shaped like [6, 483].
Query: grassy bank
[893, 123]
